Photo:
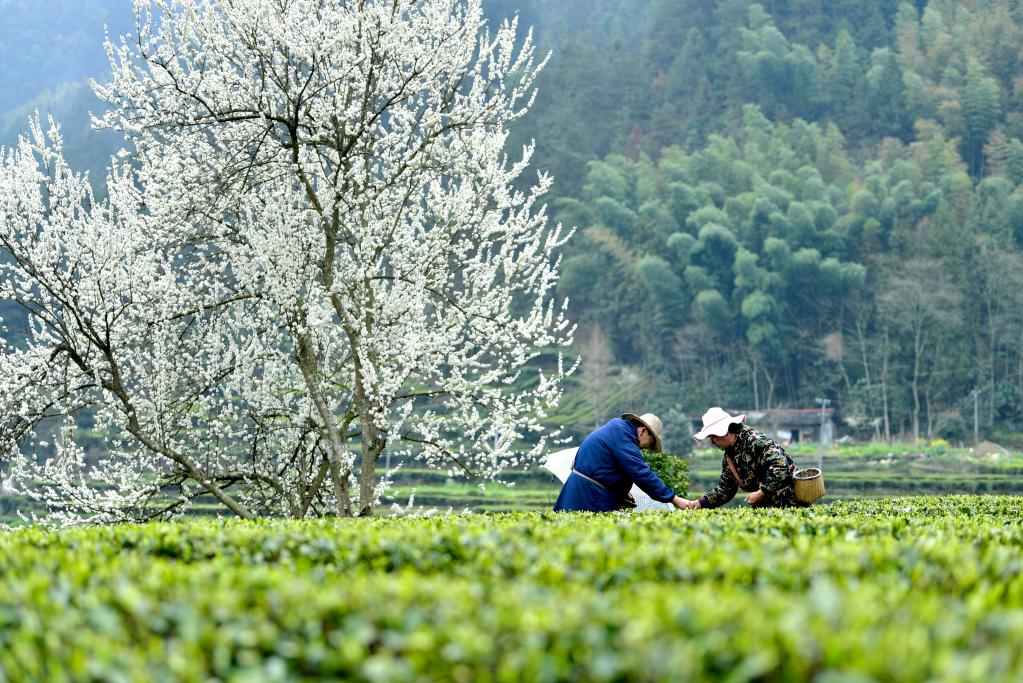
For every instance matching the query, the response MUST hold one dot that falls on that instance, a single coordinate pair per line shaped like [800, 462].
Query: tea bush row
[898, 590]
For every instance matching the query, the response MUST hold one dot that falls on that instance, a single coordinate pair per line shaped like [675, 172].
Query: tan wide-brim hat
[651, 422]
[715, 423]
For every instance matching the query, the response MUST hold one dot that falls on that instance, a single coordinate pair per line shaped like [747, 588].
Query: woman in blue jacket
[609, 461]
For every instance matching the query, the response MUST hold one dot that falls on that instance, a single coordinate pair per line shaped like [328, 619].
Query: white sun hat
[715, 423]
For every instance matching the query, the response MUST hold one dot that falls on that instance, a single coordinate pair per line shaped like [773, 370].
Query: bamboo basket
[809, 485]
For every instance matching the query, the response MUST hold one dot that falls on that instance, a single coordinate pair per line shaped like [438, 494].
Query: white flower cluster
[314, 254]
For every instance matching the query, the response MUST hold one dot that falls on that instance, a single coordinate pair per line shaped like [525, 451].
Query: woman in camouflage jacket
[752, 461]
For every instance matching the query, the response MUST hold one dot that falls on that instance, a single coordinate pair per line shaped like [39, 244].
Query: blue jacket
[610, 455]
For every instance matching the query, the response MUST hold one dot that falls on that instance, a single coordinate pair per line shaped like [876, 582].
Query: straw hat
[652, 423]
[715, 423]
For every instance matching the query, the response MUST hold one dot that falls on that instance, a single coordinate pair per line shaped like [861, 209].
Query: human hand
[755, 498]
[683, 504]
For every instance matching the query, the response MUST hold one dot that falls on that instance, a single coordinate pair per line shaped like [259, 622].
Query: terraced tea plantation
[905, 589]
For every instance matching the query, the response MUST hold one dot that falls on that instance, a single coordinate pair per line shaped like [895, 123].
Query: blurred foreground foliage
[905, 589]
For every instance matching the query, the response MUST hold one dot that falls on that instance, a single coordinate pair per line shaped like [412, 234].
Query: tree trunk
[1019, 372]
[372, 446]
[335, 444]
[918, 349]
[861, 338]
[372, 443]
[884, 387]
[367, 483]
[992, 348]
[930, 413]
[756, 390]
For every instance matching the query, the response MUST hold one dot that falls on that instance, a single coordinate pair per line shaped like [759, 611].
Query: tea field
[900, 589]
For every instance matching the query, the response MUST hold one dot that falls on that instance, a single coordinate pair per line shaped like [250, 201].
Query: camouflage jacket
[761, 464]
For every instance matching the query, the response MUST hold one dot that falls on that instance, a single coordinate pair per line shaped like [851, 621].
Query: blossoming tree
[315, 254]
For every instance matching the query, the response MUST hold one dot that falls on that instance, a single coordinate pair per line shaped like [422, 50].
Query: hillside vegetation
[791, 200]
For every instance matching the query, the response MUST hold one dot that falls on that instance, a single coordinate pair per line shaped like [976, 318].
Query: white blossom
[315, 252]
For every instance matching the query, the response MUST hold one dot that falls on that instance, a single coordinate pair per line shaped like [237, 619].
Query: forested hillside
[775, 201]
[44, 45]
[48, 52]
[791, 200]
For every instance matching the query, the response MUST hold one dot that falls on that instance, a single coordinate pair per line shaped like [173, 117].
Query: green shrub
[673, 470]
[951, 426]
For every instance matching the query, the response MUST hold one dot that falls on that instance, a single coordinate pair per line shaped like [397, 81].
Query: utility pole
[823, 402]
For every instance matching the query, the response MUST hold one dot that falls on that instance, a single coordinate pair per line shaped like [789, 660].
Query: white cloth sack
[560, 464]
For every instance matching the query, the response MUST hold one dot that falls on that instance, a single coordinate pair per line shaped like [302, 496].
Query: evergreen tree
[886, 99]
[981, 106]
[846, 87]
